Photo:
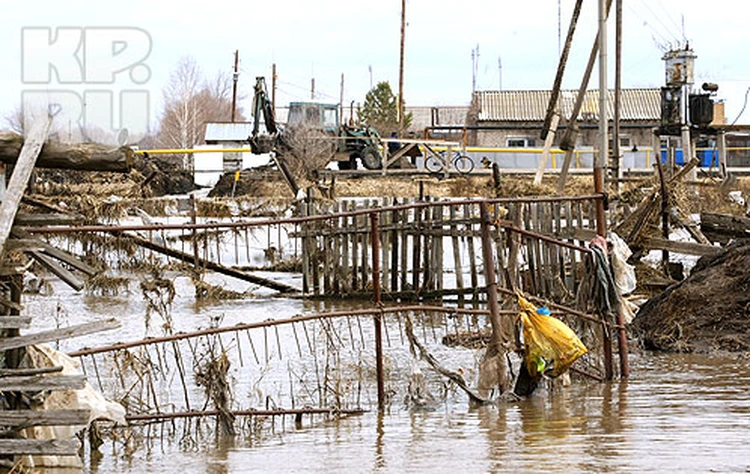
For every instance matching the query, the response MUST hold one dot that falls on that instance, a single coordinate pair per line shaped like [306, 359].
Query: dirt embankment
[709, 310]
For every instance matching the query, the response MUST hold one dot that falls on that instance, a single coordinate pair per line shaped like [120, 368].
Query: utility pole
[401, 72]
[235, 76]
[616, 152]
[312, 89]
[601, 157]
[341, 100]
[273, 87]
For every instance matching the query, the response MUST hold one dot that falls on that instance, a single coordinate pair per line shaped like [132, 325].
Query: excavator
[350, 144]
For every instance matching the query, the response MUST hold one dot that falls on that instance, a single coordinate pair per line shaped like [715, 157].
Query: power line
[665, 43]
[658, 19]
[671, 19]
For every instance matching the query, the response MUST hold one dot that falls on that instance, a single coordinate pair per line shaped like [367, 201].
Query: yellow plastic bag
[551, 346]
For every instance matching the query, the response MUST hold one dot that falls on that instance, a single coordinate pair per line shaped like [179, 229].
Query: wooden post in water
[498, 336]
[378, 318]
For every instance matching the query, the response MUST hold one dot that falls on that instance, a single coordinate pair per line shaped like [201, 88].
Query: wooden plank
[57, 447]
[65, 275]
[345, 273]
[470, 241]
[686, 248]
[365, 247]
[58, 334]
[545, 151]
[456, 250]
[385, 248]
[36, 383]
[31, 371]
[58, 254]
[15, 322]
[23, 245]
[395, 220]
[404, 251]
[21, 172]
[36, 220]
[25, 418]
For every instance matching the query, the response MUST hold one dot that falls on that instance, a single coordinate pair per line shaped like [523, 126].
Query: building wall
[529, 133]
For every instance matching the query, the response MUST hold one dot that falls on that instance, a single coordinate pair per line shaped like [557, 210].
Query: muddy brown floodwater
[677, 413]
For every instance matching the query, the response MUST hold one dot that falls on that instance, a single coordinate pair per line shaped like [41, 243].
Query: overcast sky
[360, 39]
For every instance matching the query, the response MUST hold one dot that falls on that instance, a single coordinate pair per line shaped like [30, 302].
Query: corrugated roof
[531, 106]
[228, 131]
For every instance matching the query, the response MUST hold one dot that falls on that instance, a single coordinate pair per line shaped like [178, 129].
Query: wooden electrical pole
[341, 100]
[273, 87]
[401, 72]
[235, 76]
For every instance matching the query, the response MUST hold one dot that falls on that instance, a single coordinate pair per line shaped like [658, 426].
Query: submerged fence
[337, 362]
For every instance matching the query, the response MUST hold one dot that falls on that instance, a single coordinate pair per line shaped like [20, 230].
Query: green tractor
[351, 143]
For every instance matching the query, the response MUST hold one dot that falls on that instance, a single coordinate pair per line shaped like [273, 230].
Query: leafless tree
[190, 101]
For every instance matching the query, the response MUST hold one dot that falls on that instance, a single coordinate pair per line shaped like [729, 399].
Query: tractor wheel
[371, 158]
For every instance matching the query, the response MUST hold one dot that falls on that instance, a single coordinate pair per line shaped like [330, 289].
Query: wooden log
[25, 157]
[26, 418]
[37, 383]
[58, 334]
[77, 156]
[14, 322]
[57, 447]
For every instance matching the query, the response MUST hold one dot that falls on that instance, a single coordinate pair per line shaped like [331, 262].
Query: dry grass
[105, 285]
[206, 291]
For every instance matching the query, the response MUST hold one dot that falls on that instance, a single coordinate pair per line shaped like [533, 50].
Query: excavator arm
[262, 107]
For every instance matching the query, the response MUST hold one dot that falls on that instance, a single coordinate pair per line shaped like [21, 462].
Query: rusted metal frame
[262, 324]
[278, 412]
[298, 220]
[508, 225]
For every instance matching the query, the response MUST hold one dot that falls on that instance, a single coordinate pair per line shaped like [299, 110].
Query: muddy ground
[709, 310]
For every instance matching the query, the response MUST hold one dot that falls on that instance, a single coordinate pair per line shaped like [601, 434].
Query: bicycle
[461, 163]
